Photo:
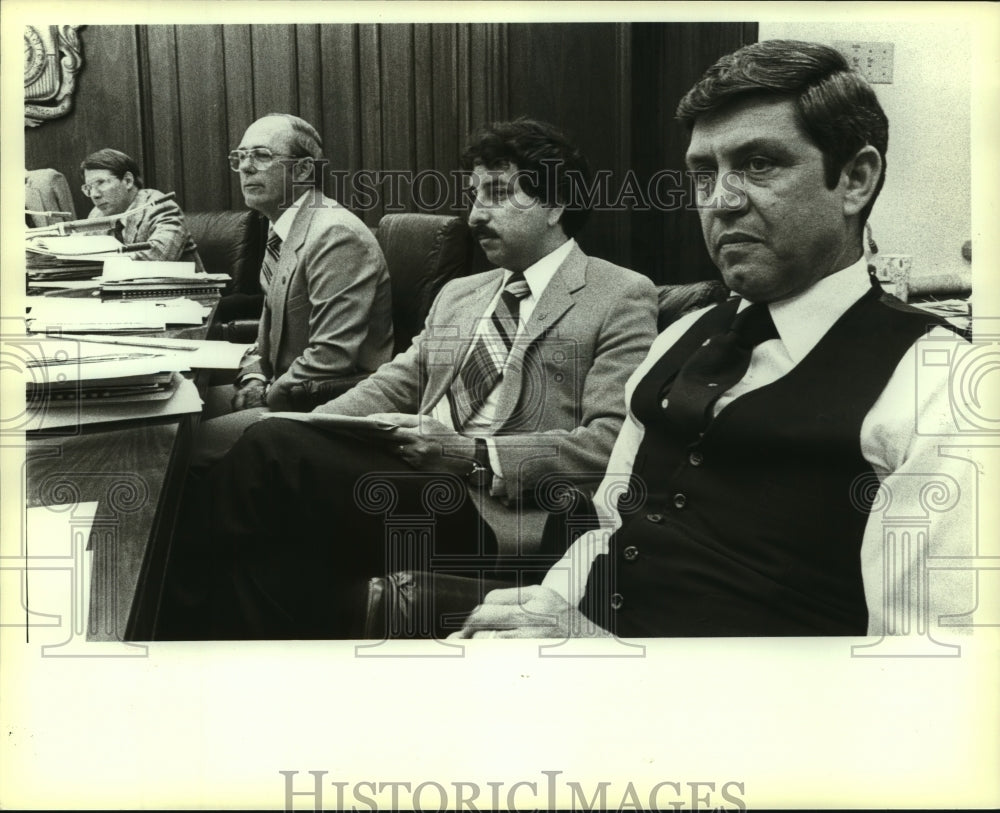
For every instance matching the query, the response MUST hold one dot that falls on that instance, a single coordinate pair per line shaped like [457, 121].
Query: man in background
[327, 306]
[113, 182]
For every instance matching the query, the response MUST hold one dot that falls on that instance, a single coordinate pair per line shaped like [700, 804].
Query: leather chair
[420, 604]
[233, 242]
[47, 190]
[422, 252]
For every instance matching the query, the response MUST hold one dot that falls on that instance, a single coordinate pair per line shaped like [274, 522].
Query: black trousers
[277, 540]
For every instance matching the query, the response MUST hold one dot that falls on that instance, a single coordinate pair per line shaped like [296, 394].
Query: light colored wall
[925, 207]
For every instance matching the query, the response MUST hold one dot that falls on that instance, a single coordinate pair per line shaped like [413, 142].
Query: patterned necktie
[714, 368]
[270, 258]
[483, 367]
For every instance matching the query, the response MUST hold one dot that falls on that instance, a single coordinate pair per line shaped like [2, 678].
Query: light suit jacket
[162, 225]
[562, 398]
[328, 309]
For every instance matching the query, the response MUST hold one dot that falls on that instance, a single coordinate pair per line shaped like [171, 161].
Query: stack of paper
[128, 278]
[60, 315]
[74, 257]
[66, 372]
[100, 379]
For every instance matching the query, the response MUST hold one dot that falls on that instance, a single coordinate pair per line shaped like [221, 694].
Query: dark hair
[551, 164]
[115, 162]
[836, 106]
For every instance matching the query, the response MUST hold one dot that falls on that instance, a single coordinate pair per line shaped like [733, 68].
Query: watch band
[483, 454]
[481, 474]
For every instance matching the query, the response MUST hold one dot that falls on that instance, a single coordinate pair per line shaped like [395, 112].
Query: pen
[66, 362]
[131, 341]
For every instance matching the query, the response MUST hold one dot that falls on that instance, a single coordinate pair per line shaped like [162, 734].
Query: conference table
[134, 470]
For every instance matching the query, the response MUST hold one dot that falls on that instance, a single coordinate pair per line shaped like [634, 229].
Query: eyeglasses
[260, 157]
[96, 186]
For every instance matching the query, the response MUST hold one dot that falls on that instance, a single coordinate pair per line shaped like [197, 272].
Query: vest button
[631, 553]
[655, 517]
[680, 500]
[696, 458]
[617, 601]
[664, 403]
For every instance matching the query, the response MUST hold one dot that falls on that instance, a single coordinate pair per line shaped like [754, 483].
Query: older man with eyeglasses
[113, 182]
[327, 307]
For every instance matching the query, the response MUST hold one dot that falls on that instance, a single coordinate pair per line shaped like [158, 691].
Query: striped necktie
[271, 254]
[714, 368]
[483, 367]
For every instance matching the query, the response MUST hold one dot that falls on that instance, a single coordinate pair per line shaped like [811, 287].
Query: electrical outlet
[872, 59]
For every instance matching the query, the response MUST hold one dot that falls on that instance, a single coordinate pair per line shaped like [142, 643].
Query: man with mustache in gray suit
[516, 379]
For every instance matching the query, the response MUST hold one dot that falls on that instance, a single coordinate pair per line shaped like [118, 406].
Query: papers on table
[957, 312]
[56, 315]
[124, 277]
[183, 400]
[76, 257]
[125, 269]
[197, 354]
[89, 356]
[64, 284]
[65, 373]
[72, 247]
[70, 383]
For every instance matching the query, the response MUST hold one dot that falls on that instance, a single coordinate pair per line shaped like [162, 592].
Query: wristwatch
[481, 475]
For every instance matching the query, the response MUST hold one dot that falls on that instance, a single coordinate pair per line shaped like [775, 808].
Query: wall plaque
[52, 59]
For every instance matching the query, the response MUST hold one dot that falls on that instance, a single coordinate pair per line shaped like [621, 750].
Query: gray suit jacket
[163, 226]
[328, 310]
[562, 400]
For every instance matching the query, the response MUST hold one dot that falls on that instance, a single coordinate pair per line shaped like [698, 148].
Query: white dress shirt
[925, 506]
[283, 224]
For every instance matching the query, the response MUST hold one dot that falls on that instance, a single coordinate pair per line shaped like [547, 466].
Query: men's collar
[541, 272]
[802, 320]
[283, 224]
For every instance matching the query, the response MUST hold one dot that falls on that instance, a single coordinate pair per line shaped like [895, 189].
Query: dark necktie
[483, 367]
[270, 258]
[714, 368]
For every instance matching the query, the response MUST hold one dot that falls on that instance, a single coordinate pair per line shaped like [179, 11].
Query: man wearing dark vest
[764, 433]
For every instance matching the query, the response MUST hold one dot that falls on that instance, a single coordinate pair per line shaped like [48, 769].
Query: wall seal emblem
[52, 59]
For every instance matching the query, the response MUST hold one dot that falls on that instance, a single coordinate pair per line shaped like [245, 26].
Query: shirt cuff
[247, 377]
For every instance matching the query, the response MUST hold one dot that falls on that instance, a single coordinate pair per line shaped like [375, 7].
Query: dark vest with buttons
[754, 527]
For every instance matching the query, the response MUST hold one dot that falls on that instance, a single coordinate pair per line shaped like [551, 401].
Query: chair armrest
[310, 394]
[239, 331]
[417, 604]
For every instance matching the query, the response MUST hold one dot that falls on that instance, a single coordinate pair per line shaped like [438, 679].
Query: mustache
[479, 232]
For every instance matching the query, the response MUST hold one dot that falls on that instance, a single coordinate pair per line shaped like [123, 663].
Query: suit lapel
[558, 297]
[283, 273]
[462, 316]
